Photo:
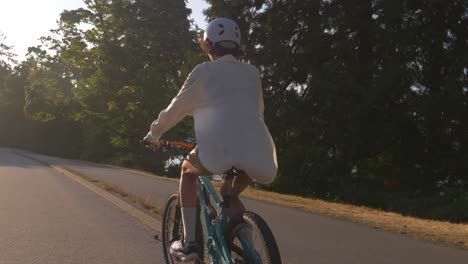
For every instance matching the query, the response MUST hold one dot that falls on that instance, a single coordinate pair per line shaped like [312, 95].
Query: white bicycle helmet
[223, 31]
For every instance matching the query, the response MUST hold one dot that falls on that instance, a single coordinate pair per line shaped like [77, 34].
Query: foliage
[367, 100]
[110, 68]
[363, 97]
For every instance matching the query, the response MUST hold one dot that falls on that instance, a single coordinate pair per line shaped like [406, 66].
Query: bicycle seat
[233, 172]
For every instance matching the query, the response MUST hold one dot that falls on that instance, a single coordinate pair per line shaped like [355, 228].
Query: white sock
[188, 218]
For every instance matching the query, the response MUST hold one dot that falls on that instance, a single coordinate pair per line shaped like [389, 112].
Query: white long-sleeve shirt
[225, 98]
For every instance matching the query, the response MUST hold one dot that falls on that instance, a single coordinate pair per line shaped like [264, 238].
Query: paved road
[302, 237]
[45, 217]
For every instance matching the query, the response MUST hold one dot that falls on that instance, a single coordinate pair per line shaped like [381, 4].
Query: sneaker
[184, 252]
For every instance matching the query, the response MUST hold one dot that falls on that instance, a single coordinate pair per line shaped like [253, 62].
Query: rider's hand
[151, 143]
[155, 145]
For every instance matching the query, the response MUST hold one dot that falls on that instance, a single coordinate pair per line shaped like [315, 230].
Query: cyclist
[225, 98]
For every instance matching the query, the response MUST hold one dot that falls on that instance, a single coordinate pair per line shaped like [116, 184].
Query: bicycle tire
[266, 239]
[172, 219]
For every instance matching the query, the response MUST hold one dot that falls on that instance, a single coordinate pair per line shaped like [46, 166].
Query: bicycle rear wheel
[172, 229]
[251, 241]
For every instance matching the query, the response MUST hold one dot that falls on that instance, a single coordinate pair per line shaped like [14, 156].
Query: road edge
[126, 207]
[442, 233]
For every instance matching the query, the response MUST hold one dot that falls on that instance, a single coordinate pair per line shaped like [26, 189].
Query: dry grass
[146, 203]
[453, 234]
[449, 233]
[114, 188]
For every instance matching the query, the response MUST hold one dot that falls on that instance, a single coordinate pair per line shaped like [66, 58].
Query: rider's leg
[186, 249]
[188, 185]
[188, 199]
[239, 184]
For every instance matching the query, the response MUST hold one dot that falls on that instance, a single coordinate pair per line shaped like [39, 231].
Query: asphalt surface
[45, 217]
[302, 237]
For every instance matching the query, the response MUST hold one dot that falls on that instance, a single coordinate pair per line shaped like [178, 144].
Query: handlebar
[165, 143]
[177, 144]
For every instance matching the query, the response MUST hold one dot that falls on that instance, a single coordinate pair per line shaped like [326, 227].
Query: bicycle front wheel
[251, 241]
[173, 229]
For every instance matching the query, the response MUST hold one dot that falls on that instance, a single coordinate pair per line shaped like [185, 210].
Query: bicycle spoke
[251, 243]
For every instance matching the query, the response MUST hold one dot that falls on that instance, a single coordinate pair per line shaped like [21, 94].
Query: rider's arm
[181, 106]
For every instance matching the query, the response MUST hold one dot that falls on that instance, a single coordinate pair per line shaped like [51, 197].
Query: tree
[114, 66]
[364, 98]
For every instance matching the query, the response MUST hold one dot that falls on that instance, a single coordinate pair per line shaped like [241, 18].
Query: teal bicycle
[220, 240]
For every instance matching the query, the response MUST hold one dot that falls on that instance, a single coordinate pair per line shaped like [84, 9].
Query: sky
[23, 22]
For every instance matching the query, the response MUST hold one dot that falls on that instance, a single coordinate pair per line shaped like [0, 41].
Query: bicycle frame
[215, 240]
[216, 222]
